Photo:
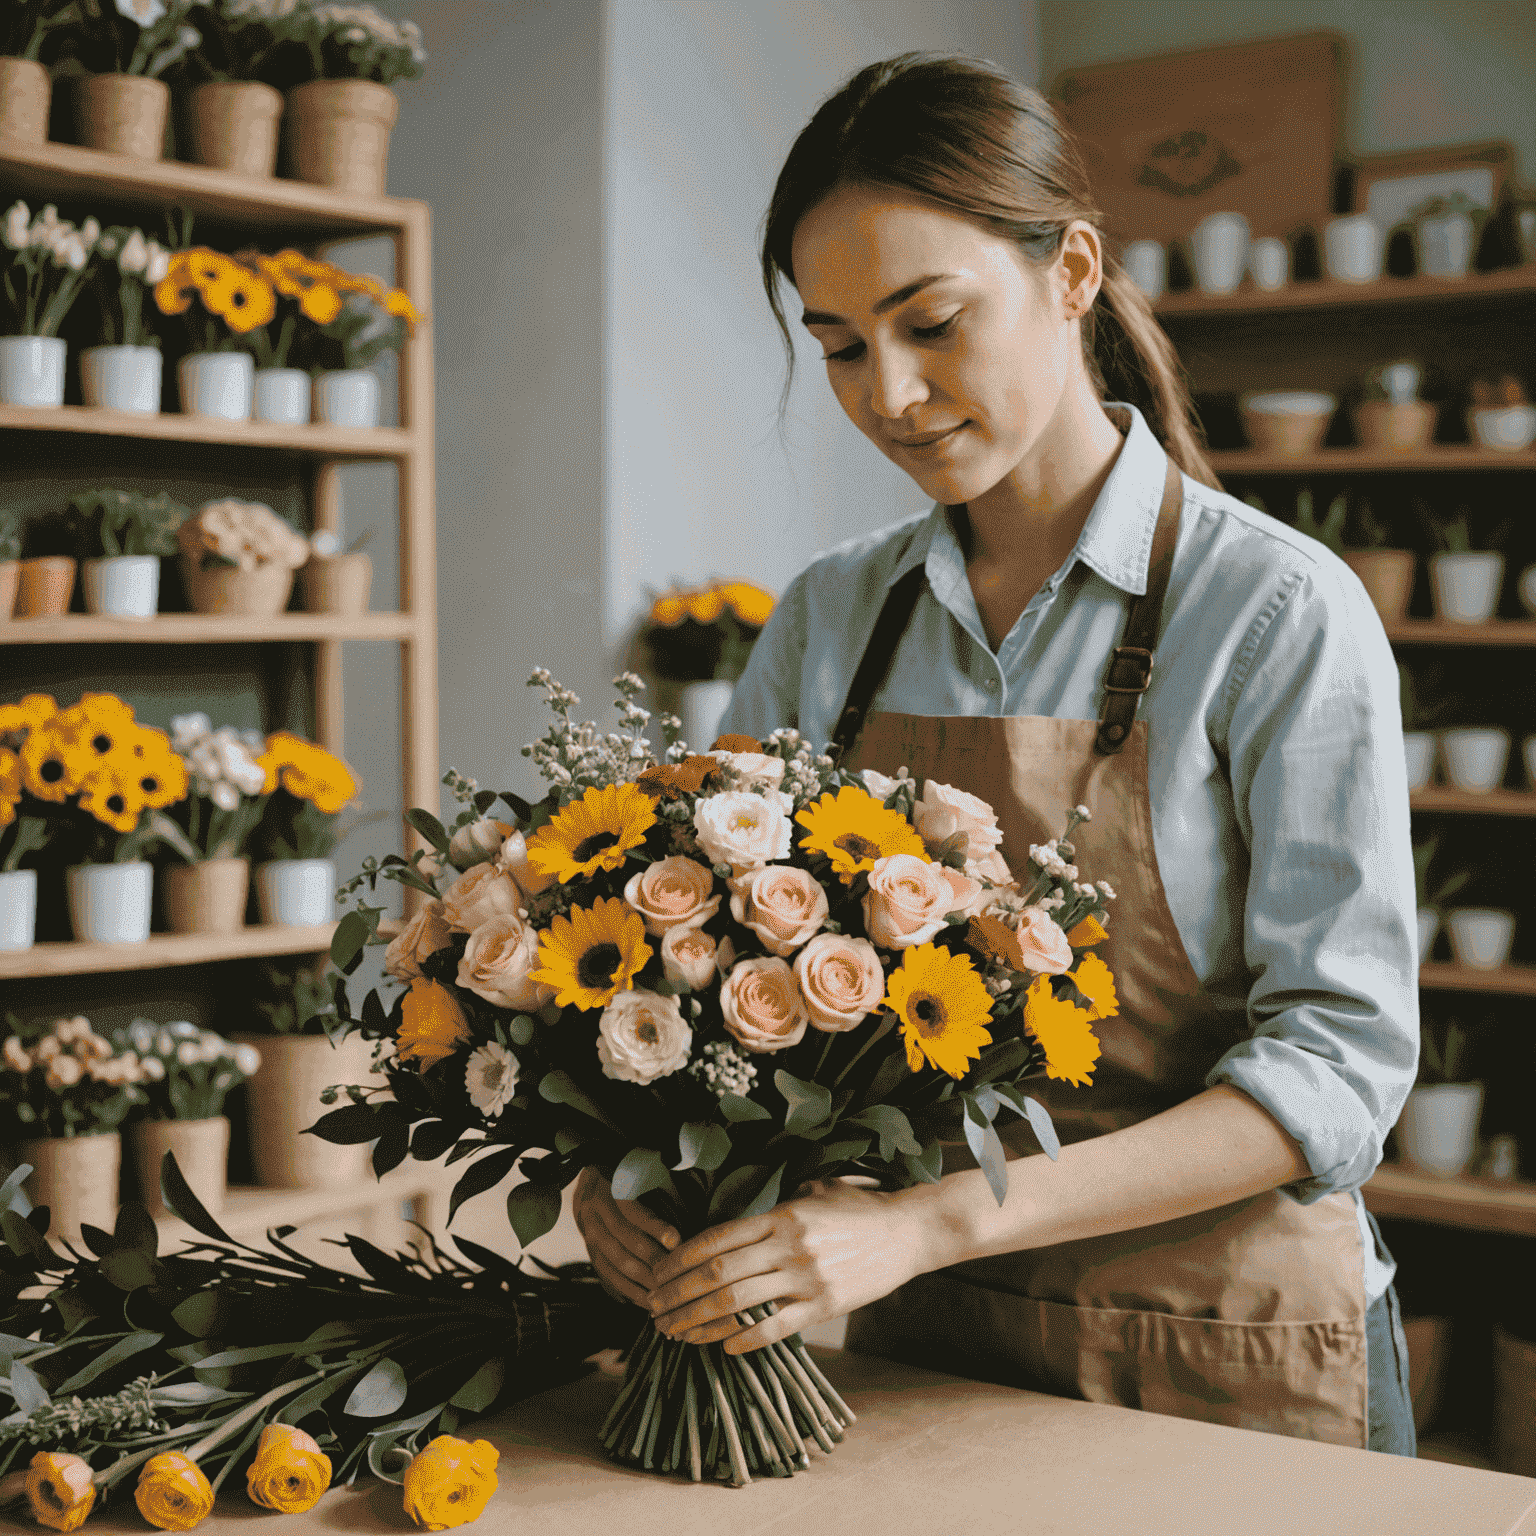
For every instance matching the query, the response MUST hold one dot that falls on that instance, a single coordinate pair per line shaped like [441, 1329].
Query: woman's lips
[926, 442]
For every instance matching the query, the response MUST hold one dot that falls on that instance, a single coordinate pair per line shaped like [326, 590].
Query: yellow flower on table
[593, 955]
[290, 1471]
[432, 1024]
[449, 1482]
[853, 829]
[592, 833]
[59, 1490]
[172, 1492]
[944, 1008]
[1063, 1030]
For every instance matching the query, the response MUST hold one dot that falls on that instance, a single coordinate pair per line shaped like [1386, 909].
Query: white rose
[742, 829]
[783, 905]
[764, 1010]
[425, 934]
[688, 956]
[496, 962]
[514, 859]
[945, 810]
[641, 1036]
[840, 979]
[673, 892]
[908, 899]
[477, 841]
[881, 785]
[753, 770]
[480, 893]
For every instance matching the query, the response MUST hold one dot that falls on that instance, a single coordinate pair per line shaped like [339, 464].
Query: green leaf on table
[737, 1109]
[11, 1196]
[703, 1144]
[200, 1315]
[431, 1139]
[127, 1269]
[380, 1392]
[135, 1229]
[188, 1394]
[532, 1209]
[641, 1171]
[124, 1349]
[482, 1174]
[29, 1392]
[227, 1359]
[179, 1200]
[809, 1103]
[429, 827]
[927, 1168]
[480, 1391]
[891, 1126]
[561, 1088]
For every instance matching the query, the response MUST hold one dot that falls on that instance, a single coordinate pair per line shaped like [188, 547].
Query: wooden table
[934, 1454]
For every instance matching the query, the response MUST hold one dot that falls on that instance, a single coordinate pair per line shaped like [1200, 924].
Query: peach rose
[425, 934]
[496, 962]
[944, 810]
[513, 858]
[909, 897]
[990, 869]
[688, 956]
[782, 905]
[479, 894]
[671, 892]
[477, 841]
[840, 979]
[763, 1008]
[1044, 945]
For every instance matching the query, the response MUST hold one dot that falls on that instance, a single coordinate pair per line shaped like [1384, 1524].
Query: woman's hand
[624, 1238]
[832, 1248]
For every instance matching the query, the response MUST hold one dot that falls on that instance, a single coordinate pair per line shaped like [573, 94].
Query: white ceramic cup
[1528, 750]
[1269, 260]
[1146, 264]
[1353, 248]
[125, 586]
[1219, 245]
[1481, 936]
[217, 384]
[1419, 748]
[282, 395]
[122, 378]
[1446, 245]
[348, 397]
[1475, 758]
[32, 370]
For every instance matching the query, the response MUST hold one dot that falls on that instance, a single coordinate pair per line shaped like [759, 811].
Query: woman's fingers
[715, 1317]
[621, 1249]
[719, 1287]
[709, 1245]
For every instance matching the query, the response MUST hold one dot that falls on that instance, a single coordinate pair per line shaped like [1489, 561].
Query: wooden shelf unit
[1481, 1205]
[1500, 632]
[1328, 294]
[1497, 802]
[161, 950]
[1507, 981]
[1437, 458]
[206, 629]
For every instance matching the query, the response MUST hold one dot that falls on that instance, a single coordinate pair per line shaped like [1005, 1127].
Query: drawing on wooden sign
[1187, 164]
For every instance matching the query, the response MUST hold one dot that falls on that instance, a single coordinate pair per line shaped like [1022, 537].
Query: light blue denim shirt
[1278, 784]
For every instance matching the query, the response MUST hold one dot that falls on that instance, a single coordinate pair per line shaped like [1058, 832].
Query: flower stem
[739, 1474]
[886, 1025]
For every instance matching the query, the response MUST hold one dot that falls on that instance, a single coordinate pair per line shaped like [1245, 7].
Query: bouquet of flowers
[45, 261]
[698, 633]
[127, 266]
[715, 978]
[187, 1072]
[63, 1079]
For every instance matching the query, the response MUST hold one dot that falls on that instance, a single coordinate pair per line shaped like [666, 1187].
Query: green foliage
[110, 522]
[25, 25]
[1423, 857]
[1424, 704]
[10, 536]
[1330, 531]
[1445, 1063]
[291, 998]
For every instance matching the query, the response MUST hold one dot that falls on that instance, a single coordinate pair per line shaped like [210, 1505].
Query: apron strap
[895, 615]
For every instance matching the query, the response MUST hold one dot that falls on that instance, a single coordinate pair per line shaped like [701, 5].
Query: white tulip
[90, 232]
[18, 221]
[145, 12]
[135, 254]
[157, 264]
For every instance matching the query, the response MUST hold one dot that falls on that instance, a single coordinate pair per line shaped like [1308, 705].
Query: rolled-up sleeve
[1314, 744]
[767, 696]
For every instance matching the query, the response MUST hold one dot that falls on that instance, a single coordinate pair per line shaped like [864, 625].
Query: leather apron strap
[1130, 664]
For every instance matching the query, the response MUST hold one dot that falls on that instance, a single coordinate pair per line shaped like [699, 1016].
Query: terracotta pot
[1389, 427]
[208, 897]
[76, 1178]
[1387, 575]
[1514, 1403]
[45, 586]
[25, 91]
[234, 126]
[1286, 434]
[338, 584]
[284, 1100]
[10, 579]
[259, 594]
[1429, 1351]
[202, 1154]
[122, 114]
[338, 134]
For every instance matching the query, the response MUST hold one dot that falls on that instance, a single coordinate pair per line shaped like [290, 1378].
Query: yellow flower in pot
[306, 788]
[223, 302]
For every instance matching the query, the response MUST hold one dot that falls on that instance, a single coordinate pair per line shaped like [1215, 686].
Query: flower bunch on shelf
[186, 1072]
[132, 37]
[243, 534]
[64, 1079]
[307, 788]
[288, 42]
[127, 266]
[694, 634]
[227, 784]
[45, 260]
[222, 300]
[109, 522]
[26, 24]
[24, 814]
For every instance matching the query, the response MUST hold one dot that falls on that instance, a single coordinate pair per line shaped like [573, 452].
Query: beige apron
[1252, 1314]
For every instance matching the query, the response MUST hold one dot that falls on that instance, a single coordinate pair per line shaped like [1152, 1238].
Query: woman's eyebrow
[890, 301]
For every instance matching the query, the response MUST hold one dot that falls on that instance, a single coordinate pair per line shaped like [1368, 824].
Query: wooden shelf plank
[1325, 293]
[1441, 632]
[163, 949]
[205, 629]
[1508, 981]
[1483, 1205]
[1347, 461]
[317, 440]
[1497, 802]
[54, 172]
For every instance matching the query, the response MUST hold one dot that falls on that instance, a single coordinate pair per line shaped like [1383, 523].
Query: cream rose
[840, 979]
[944, 810]
[990, 869]
[753, 770]
[909, 897]
[425, 934]
[479, 894]
[763, 1008]
[513, 858]
[641, 1037]
[688, 956]
[671, 892]
[496, 962]
[742, 829]
[784, 906]
[881, 785]
[477, 841]
[1044, 945]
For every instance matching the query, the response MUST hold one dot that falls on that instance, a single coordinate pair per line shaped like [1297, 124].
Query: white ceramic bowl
[1505, 427]
[1290, 402]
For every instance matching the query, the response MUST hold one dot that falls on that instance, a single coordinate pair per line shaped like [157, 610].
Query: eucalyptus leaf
[186, 1394]
[28, 1391]
[641, 1171]
[532, 1209]
[380, 1392]
[429, 827]
[561, 1088]
[227, 1358]
[891, 1126]
[737, 1109]
[809, 1103]
[480, 1391]
[350, 939]
[929, 1167]
[987, 1148]
[199, 1314]
[520, 1028]
[12, 1198]
[768, 1196]
[1039, 1118]
[704, 1146]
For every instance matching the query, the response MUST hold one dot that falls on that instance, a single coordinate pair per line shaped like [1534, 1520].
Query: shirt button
[990, 683]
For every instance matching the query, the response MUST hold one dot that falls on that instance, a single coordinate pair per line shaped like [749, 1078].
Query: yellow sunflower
[32, 710]
[853, 829]
[397, 302]
[155, 767]
[1062, 1028]
[592, 833]
[669, 610]
[176, 290]
[100, 724]
[113, 799]
[704, 604]
[1086, 934]
[944, 1008]
[241, 298]
[307, 771]
[750, 604]
[53, 763]
[593, 955]
[432, 1024]
[10, 785]
[1095, 980]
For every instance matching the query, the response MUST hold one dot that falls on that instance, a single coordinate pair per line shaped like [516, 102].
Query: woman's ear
[1079, 269]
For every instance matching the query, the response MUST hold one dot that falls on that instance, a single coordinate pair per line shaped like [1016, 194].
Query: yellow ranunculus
[173, 1494]
[290, 1471]
[60, 1490]
[432, 1025]
[450, 1482]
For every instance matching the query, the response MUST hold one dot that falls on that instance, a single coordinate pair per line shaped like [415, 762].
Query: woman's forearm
[1216, 1148]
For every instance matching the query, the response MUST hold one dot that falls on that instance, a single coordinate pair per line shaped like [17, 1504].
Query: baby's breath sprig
[577, 757]
[462, 789]
[723, 1069]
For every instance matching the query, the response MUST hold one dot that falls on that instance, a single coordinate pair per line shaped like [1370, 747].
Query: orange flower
[176, 290]
[750, 604]
[397, 302]
[432, 1024]
[1086, 934]
[60, 1490]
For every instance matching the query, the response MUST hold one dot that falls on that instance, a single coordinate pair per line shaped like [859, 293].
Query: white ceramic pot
[1466, 587]
[296, 893]
[282, 395]
[1528, 750]
[1446, 245]
[1438, 1128]
[217, 384]
[32, 370]
[1353, 248]
[1503, 428]
[1481, 936]
[1429, 927]
[1475, 758]
[1528, 589]
[1269, 260]
[348, 397]
[1219, 245]
[18, 909]
[109, 903]
[126, 586]
[701, 707]
[1146, 264]
[1419, 747]
[122, 379]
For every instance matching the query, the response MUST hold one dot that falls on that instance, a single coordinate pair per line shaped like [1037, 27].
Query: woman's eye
[933, 332]
[847, 355]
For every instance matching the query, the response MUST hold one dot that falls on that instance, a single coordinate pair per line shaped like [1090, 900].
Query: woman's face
[946, 349]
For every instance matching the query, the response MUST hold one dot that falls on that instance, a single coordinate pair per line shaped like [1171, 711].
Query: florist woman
[1200, 1248]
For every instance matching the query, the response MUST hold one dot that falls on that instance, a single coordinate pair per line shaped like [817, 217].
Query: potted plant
[121, 536]
[1501, 417]
[337, 580]
[1465, 581]
[1431, 900]
[371, 320]
[23, 822]
[233, 112]
[1419, 719]
[187, 1073]
[222, 807]
[307, 787]
[66, 1090]
[1391, 418]
[1385, 573]
[44, 261]
[239, 557]
[699, 639]
[123, 373]
[121, 104]
[1437, 1131]
[10, 562]
[26, 87]
[1481, 936]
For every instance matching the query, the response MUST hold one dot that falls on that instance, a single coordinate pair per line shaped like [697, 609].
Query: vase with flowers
[371, 319]
[238, 557]
[43, 262]
[67, 1089]
[187, 1073]
[122, 373]
[234, 112]
[24, 819]
[26, 87]
[306, 788]
[120, 536]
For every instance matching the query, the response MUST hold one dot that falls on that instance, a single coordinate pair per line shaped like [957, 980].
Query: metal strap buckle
[1137, 656]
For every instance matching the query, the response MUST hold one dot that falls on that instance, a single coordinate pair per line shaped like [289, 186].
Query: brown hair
[967, 136]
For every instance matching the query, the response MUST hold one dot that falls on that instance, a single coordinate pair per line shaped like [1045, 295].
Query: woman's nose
[895, 385]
